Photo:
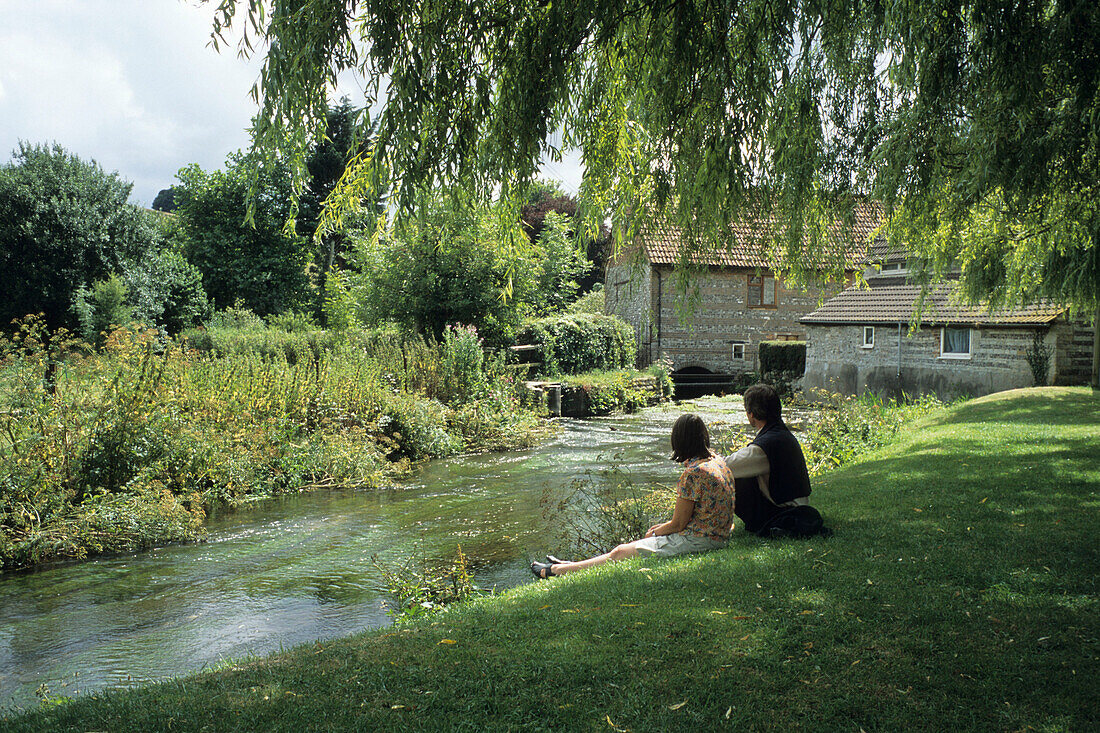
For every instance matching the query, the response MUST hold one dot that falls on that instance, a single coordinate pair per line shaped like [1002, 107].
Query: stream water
[299, 570]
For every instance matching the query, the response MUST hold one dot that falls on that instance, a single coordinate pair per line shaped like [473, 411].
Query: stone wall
[627, 294]
[1073, 352]
[667, 326]
[837, 361]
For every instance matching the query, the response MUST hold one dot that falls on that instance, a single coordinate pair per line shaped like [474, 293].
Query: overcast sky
[134, 85]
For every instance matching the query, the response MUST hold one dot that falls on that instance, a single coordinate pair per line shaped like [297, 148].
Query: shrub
[1038, 358]
[102, 307]
[418, 428]
[292, 322]
[463, 365]
[591, 302]
[580, 342]
[783, 356]
[849, 426]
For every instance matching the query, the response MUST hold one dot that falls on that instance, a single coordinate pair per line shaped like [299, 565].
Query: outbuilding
[861, 340]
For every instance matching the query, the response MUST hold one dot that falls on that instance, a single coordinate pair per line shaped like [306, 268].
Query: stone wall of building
[627, 294]
[1073, 352]
[837, 361]
[700, 327]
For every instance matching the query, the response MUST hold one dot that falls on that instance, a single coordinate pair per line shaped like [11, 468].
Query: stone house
[741, 301]
[860, 340]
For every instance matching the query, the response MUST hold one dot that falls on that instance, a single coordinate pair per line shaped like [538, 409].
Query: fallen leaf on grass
[741, 618]
[984, 500]
[629, 605]
[720, 613]
[746, 636]
[854, 663]
[543, 608]
[447, 641]
[678, 705]
[806, 613]
[729, 711]
[613, 726]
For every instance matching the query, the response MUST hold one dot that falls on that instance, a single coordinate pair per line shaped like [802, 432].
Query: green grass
[959, 592]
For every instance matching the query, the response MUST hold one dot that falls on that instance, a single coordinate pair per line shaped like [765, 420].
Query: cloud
[135, 85]
[131, 84]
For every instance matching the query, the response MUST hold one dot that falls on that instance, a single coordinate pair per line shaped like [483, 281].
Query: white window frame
[734, 348]
[868, 343]
[893, 267]
[944, 354]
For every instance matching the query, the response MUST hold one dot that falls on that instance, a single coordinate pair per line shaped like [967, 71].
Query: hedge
[580, 342]
[783, 356]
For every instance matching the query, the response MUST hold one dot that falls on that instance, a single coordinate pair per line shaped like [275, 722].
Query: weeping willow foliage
[973, 121]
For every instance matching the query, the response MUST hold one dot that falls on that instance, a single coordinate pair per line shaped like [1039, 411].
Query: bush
[783, 356]
[418, 428]
[165, 290]
[1038, 358]
[463, 365]
[580, 342]
[101, 308]
[591, 302]
[850, 426]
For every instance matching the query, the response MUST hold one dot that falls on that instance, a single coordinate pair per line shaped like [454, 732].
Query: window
[955, 343]
[892, 267]
[738, 350]
[761, 291]
[868, 337]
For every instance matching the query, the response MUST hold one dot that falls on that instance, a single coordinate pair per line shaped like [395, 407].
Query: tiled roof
[893, 303]
[747, 245]
[882, 251]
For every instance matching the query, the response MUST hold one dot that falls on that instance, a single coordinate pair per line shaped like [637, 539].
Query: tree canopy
[261, 263]
[64, 223]
[974, 121]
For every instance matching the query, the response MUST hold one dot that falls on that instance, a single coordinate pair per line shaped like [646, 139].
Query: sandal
[538, 567]
[555, 561]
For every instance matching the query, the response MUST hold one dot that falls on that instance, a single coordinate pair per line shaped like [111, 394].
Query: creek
[298, 570]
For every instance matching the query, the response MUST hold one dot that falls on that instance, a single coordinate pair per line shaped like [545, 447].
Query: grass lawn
[960, 591]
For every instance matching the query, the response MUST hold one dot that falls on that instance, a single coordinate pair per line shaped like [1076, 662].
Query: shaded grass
[959, 592]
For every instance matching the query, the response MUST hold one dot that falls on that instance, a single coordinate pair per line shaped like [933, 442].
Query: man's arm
[749, 461]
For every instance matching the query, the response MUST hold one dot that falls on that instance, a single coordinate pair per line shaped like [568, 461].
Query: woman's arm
[681, 515]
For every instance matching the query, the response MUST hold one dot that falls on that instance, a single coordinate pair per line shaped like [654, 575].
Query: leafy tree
[544, 197]
[974, 121]
[166, 199]
[64, 223]
[451, 264]
[340, 142]
[560, 265]
[261, 263]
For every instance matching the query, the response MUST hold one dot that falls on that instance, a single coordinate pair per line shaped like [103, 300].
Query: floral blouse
[709, 483]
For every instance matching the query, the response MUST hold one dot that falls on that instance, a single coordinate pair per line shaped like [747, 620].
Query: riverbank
[133, 446]
[959, 592]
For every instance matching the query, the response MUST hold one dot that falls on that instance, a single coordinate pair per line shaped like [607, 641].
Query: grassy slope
[960, 591]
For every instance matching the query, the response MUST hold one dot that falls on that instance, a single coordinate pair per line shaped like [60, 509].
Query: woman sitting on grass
[703, 515]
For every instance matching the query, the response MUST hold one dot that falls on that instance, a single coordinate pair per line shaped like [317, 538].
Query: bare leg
[621, 552]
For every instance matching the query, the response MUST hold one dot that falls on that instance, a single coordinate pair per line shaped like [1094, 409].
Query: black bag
[797, 521]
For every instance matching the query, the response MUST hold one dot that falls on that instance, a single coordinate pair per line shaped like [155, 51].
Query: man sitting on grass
[771, 483]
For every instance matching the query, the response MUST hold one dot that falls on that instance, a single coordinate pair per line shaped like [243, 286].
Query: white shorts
[669, 545]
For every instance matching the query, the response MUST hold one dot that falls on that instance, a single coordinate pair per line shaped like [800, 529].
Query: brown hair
[690, 438]
[763, 402]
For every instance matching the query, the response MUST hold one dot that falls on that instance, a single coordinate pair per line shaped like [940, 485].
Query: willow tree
[975, 122]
